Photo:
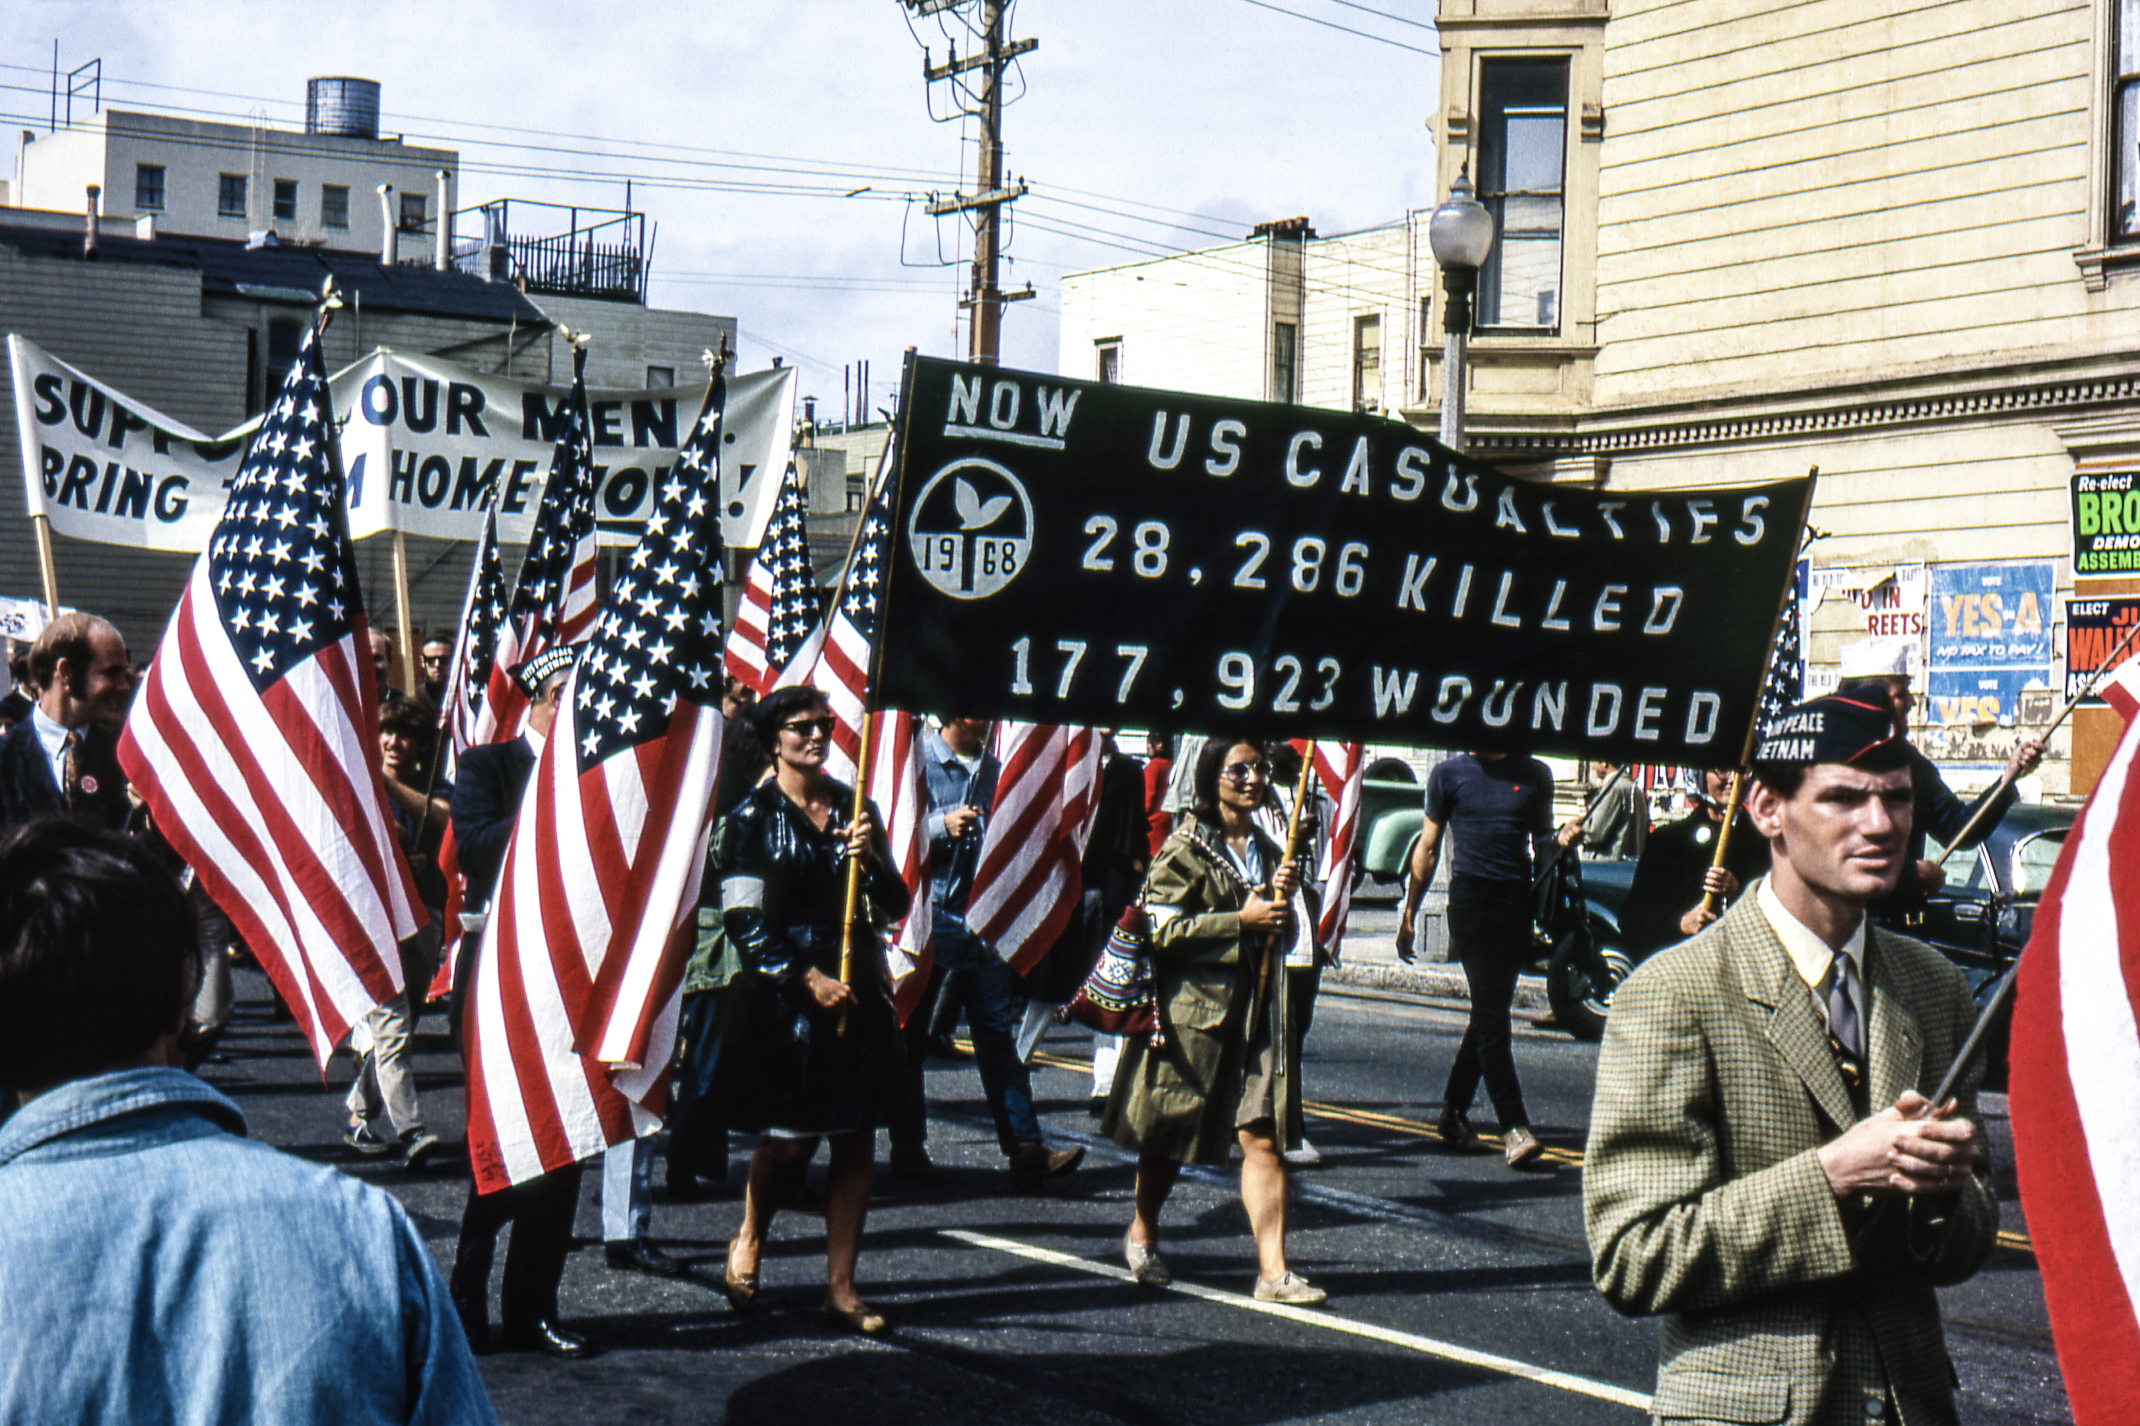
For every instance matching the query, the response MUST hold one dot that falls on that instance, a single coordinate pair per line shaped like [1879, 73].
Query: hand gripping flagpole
[2006, 775]
[1711, 901]
[1295, 824]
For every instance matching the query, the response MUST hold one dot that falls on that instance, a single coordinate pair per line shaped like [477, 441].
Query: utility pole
[985, 298]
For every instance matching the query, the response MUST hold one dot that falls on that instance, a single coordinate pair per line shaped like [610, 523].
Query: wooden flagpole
[45, 567]
[1294, 823]
[853, 896]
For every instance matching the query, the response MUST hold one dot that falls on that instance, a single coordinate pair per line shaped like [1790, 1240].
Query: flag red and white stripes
[1340, 770]
[576, 990]
[254, 740]
[1026, 889]
[836, 661]
[554, 600]
[779, 607]
[2121, 690]
[2075, 1095]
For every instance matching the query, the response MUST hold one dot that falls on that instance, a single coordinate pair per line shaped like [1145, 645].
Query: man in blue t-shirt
[1499, 807]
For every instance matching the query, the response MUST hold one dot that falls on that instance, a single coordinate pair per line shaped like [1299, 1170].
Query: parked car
[1980, 920]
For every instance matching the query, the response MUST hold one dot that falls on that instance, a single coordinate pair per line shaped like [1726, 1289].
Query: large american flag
[1026, 888]
[836, 660]
[2075, 1095]
[575, 996]
[554, 601]
[1340, 772]
[255, 739]
[779, 607]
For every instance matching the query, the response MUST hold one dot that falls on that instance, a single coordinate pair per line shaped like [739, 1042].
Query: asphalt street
[1459, 1290]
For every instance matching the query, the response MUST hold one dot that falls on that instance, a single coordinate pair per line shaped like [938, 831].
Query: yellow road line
[1419, 1129]
[1328, 1322]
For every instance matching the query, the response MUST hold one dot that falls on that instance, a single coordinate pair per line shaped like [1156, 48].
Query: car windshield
[2031, 860]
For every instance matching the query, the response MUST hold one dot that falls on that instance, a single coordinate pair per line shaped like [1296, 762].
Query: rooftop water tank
[342, 105]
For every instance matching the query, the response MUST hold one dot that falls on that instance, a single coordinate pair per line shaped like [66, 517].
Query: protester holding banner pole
[1226, 1074]
[783, 1071]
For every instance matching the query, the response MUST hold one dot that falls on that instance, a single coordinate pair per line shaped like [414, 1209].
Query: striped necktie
[1843, 1004]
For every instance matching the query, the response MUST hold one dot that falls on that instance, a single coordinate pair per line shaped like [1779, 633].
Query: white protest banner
[424, 443]
[22, 619]
[427, 441]
[102, 466]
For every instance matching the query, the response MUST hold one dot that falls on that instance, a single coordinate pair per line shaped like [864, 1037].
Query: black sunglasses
[804, 727]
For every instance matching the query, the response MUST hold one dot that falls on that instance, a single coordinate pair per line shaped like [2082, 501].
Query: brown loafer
[859, 1318]
[741, 1288]
[1033, 1162]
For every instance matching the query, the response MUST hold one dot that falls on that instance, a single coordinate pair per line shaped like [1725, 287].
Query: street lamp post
[1461, 234]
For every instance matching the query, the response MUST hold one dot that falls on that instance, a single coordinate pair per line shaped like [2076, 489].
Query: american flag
[469, 719]
[836, 660]
[2075, 1095]
[1784, 684]
[255, 739]
[779, 607]
[575, 996]
[1026, 888]
[554, 602]
[1340, 771]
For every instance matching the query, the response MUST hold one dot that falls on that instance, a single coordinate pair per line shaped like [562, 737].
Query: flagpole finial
[578, 341]
[714, 360]
[330, 303]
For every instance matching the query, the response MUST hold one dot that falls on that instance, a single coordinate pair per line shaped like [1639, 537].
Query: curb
[1443, 981]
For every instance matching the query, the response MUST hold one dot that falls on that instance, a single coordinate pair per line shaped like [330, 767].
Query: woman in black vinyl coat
[786, 1068]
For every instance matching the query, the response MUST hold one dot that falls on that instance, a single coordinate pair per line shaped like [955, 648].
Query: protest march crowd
[663, 876]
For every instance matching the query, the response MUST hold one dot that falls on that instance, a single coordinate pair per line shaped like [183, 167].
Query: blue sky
[1141, 128]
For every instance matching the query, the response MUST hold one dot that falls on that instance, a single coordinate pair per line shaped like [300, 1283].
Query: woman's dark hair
[409, 717]
[98, 957]
[781, 706]
[1204, 781]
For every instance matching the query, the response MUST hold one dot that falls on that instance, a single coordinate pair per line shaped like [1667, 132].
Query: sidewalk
[1368, 958]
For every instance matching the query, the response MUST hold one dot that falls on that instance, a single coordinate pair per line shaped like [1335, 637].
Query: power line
[1334, 25]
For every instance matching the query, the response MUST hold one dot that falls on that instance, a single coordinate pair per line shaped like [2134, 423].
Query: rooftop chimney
[89, 229]
[388, 239]
[442, 225]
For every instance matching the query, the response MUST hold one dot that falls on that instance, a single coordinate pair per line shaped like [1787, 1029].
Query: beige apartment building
[1898, 242]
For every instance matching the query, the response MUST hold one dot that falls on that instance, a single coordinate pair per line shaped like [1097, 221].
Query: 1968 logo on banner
[971, 528]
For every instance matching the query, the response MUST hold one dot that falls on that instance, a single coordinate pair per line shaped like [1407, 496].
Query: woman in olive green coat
[1224, 1074]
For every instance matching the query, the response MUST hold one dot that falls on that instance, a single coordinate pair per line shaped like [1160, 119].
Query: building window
[1428, 346]
[1367, 362]
[230, 195]
[1285, 357]
[2125, 126]
[1523, 145]
[1108, 359]
[412, 212]
[285, 200]
[334, 205]
[659, 376]
[148, 187]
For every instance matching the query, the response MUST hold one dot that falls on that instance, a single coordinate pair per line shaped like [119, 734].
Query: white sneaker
[1145, 1265]
[1292, 1288]
[1307, 1156]
[1519, 1146]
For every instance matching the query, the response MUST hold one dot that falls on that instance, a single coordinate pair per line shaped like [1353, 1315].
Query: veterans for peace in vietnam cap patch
[536, 671]
[1835, 729]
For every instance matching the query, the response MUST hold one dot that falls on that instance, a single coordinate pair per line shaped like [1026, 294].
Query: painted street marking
[1327, 1321]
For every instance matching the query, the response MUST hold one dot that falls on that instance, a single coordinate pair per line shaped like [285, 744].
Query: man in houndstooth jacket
[1764, 1171]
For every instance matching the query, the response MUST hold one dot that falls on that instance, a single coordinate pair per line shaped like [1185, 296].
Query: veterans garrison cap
[536, 671]
[1840, 728]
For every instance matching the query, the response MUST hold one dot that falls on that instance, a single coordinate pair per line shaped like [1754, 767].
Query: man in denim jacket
[156, 1265]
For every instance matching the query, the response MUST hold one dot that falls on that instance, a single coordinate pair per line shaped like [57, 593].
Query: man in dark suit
[487, 789]
[64, 756]
[1765, 1171]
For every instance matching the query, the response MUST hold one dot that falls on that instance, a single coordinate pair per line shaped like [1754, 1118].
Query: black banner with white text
[1073, 552]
